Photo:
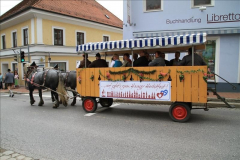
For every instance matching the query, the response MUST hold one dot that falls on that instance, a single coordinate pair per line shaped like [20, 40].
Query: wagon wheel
[106, 102]
[179, 112]
[89, 105]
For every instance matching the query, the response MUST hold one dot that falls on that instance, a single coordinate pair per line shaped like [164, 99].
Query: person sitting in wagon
[126, 60]
[98, 62]
[142, 60]
[158, 61]
[187, 60]
[174, 62]
[166, 61]
[117, 63]
[82, 63]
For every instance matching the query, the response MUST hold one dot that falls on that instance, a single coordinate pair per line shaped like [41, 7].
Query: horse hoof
[73, 104]
[32, 102]
[54, 107]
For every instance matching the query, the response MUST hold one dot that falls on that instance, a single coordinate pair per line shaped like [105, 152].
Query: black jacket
[141, 62]
[187, 60]
[98, 63]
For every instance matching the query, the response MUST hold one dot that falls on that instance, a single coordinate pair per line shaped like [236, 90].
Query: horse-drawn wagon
[181, 85]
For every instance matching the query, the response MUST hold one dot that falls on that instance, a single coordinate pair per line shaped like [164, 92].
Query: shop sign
[187, 20]
[215, 18]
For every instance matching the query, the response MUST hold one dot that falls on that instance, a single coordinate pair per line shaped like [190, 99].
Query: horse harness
[32, 79]
[66, 78]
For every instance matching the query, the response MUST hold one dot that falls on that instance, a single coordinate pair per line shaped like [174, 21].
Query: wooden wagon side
[192, 88]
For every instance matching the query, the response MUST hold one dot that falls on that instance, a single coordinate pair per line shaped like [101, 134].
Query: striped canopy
[142, 43]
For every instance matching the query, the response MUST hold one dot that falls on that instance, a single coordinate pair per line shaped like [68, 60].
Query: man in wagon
[142, 60]
[174, 62]
[187, 60]
[98, 62]
[158, 61]
[82, 63]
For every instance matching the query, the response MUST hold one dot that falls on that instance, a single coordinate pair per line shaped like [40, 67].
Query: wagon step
[219, 97]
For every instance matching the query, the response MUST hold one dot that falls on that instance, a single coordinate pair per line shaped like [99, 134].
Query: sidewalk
[227, 95]
[20, 90]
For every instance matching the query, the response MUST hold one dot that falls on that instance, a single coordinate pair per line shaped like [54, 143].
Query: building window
[3, 42]
[105, 38]
[209, 57]
[58, 37]
[80, 38]
[202, 3]
[61, 66]
[25, 37]
[14, 36]
[153, 5]
[14, 67]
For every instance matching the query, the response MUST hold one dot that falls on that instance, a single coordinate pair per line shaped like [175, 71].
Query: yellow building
[49, 31]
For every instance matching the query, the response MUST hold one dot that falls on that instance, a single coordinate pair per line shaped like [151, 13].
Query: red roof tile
[83, 9]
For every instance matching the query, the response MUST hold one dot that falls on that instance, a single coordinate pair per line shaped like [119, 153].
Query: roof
[84, 9]
[144, 43]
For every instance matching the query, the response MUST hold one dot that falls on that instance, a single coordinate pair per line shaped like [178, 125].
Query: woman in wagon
[158, 61]
[126, 60]
[117, 63]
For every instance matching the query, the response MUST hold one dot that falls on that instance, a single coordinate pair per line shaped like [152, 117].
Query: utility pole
[49, 59]
[28, 55]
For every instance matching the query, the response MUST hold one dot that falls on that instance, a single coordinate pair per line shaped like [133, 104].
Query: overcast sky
[114, 6]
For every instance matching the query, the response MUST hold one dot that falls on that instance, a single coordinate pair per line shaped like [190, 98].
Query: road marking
[117, 104]
[89, 114]
[5, 95]
[100, 110]
[45, 96]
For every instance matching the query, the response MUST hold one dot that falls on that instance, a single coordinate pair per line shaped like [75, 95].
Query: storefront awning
[142, 43]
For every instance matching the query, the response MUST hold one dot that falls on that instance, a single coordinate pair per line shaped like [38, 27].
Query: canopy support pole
[192, 55]
[85, 59]
[132, 57]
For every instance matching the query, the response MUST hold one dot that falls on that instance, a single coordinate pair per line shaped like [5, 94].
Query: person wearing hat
[82, 63]
[98, 62]
[33, 66]
[9, 81]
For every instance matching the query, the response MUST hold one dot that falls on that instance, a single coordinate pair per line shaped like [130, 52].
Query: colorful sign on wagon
[147, 90]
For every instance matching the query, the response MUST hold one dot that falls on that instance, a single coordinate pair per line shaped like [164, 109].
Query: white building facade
[219, 19]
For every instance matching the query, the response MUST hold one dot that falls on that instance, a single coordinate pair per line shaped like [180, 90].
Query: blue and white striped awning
[142, 43]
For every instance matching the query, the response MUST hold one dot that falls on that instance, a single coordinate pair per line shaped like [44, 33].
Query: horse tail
[61, 89]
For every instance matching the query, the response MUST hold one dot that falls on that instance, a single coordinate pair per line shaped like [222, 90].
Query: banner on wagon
[147, 90]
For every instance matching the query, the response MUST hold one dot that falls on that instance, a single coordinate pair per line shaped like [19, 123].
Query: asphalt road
[124, 131]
